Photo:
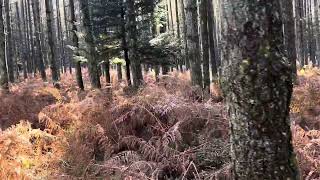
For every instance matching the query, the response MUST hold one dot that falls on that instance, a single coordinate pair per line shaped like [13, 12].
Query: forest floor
[163, 131]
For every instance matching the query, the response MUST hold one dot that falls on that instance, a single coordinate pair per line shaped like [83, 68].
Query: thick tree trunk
[205, 44]
[9, 46]
[4, 85]
[39, 56]
[257, 84]
[22, 45]
[92, 54]
[133, 54]
[52, 44]
[193, 42]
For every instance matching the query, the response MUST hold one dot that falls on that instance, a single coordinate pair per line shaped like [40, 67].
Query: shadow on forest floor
[24, 103]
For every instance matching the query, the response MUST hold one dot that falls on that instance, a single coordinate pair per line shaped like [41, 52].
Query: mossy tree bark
[4, 86]
[257, 84]
[193, 41]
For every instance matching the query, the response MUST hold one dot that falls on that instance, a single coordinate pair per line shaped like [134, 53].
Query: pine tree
[9, 46]
[193, 41]
[4, 85]
[52, 44]
[257, 84]
[89, 39]
[75, 43]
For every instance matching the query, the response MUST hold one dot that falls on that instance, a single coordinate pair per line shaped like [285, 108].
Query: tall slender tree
[193, 41]
[36, 22]
[75, 43]
[4, 85]
[133, 44]
[205, 43]
[52, 44]
[9, 46]
[89, 39]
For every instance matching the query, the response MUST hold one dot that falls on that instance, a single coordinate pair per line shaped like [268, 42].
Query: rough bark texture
[92, 54]
[290, 36]
[52, 44]
[9, 46]
[193, 41]
[4, 86]
[257, 84]
[39, 56]
[133, 54]
[205, 43]
[75, 43]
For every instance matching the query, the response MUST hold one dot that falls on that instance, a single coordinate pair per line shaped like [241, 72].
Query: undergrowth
[166, 130]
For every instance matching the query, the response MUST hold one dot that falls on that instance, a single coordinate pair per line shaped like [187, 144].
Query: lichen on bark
[257, 84]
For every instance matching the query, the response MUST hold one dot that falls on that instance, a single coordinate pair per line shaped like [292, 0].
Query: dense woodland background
[159, 89]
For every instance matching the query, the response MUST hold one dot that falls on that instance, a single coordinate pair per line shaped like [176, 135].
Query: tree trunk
[21, 47]
[184, 34]
[25, 42]
[4, 85]
[31, 40]
[107, 72]
[60, 42]
[52, 44]
[290, 36]
[317, 30]
[157, 72]
[88, 37]
[212, 40]
[133, 54]
[257, 84]
[75, 43]
[119, 72]
[205, 44]
[36, 18]
[125, 44]
[193, 42]
[9, 46]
